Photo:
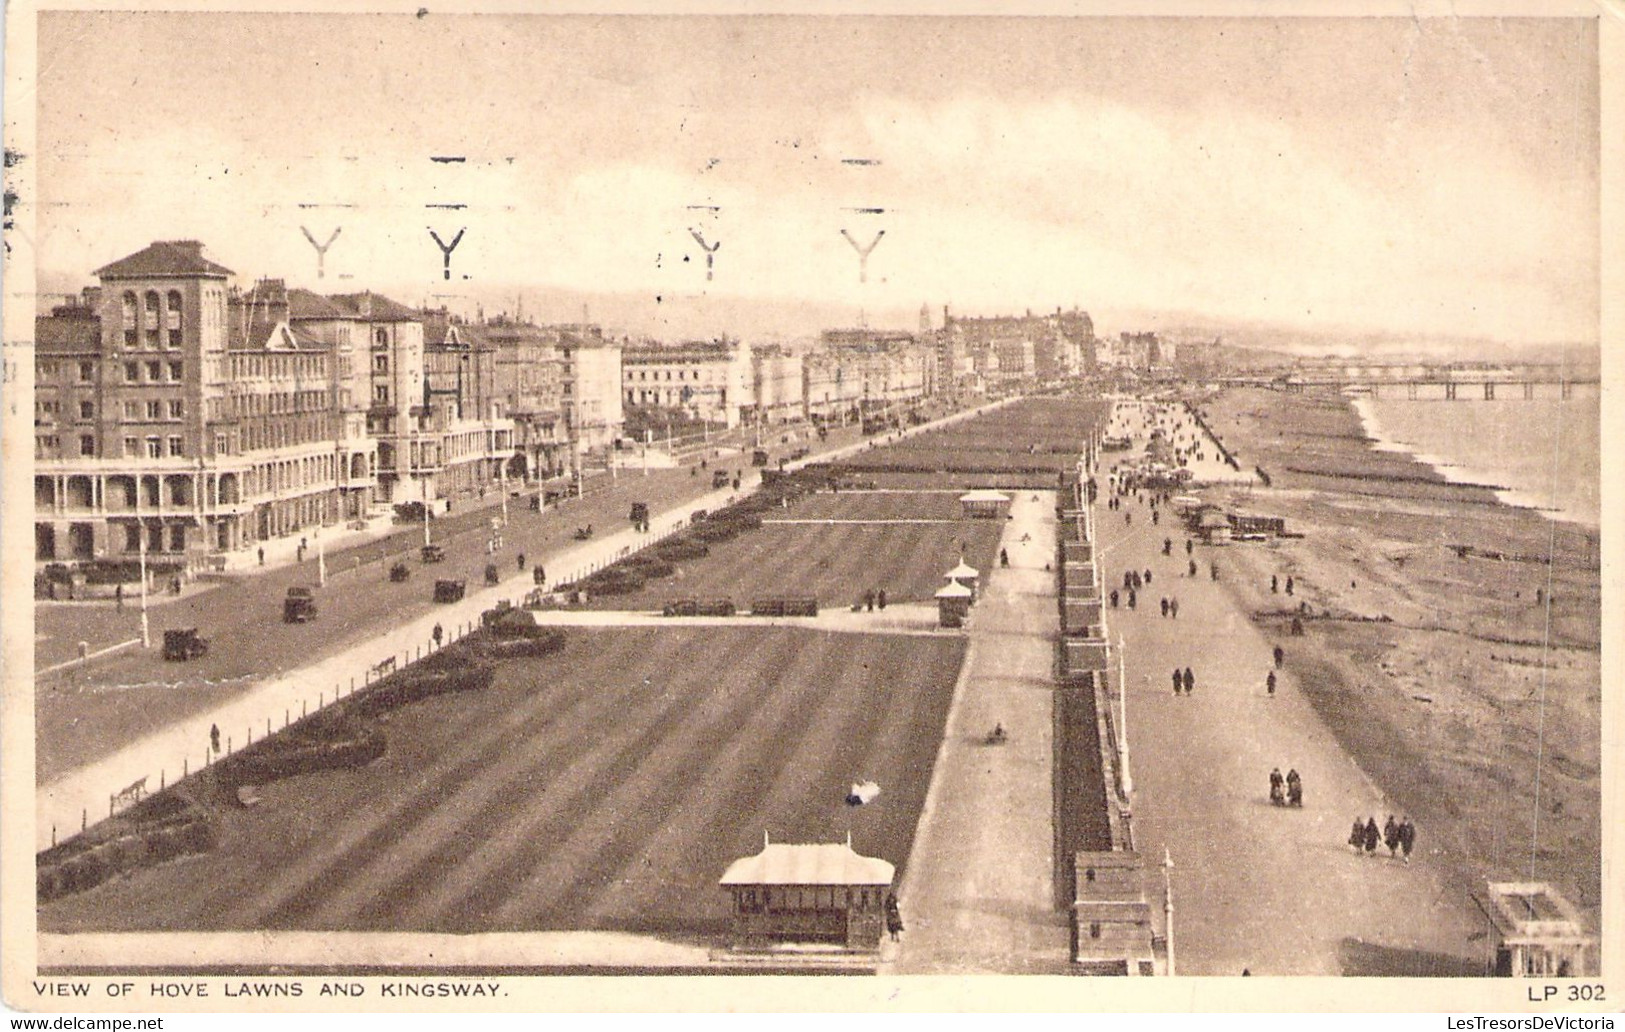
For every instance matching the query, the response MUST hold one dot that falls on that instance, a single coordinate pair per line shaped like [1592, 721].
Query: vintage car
[449, 590]
[299, 606]
[432, 554]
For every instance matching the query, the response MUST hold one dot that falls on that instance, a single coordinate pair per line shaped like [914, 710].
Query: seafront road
[978, 894]
[1257, 888]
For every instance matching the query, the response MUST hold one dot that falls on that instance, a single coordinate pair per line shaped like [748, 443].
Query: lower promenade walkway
[1257, 888]
[978, 893]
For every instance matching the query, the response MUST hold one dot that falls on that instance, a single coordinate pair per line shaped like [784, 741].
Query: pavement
[978, 894]
[385, 633]
[1257, 888]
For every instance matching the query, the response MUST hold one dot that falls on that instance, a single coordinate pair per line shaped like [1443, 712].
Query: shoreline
[1458, 680]
[1381, 439]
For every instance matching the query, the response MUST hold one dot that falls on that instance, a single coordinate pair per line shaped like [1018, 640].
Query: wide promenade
[1257, 888]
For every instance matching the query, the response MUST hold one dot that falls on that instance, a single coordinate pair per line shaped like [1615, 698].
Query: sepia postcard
[797, 507]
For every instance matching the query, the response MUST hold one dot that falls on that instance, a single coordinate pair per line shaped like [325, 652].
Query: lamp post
[146, 634]
[1124, 777]
[321, 560]
[1168, 905]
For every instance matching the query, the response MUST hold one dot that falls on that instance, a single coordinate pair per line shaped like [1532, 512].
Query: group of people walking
[1184, 681]
[1287, 791]
[1399, 836]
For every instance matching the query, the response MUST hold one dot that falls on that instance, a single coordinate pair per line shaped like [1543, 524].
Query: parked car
[432, 554]
[449, 590]
[299, 606]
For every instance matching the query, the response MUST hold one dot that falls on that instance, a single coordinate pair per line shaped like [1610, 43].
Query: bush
[525, 648]
[414, 686]
[713, 532]
[613, 581]
[651, 567]
[679, 549]
[290, 760]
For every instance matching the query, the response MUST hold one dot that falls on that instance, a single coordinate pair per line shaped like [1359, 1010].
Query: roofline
[101, 274]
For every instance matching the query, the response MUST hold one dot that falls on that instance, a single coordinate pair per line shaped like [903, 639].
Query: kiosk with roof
[821, 893]
[1538, 933]
[984, 503]
[953, 604]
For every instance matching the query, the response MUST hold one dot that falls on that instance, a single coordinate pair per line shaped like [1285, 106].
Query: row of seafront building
[182, 416]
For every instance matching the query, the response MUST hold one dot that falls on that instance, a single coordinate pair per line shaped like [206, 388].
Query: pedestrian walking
[1179, 681]
[1128, 519]
[1357, 836]
[1128, 580]
[869, 600]
[118, 596]
[1269, 683]
[1173, 608]
[1165, 605]
[540, 573]
[520, 558]
[1275, 585]
[1372, 836]
[1407, 837]
[262, 556]
[1390, 836]
[1114, 598]
[1213, 571]
[894, 917]
[1190, 681]
[1193, 567]
[1167, 546]
[1289, 585]
[214, 737]
[1148, 575]
[1132, 598]
[1189, 546]
[1280, 657]
[880, 598]
[1156, 517]
[437, 634]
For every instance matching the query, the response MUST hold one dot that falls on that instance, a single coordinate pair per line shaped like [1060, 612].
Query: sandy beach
[1452, 642]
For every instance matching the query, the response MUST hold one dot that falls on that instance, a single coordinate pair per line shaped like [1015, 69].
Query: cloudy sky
[1432, 176]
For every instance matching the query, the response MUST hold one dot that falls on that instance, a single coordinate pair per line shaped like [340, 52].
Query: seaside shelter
[984, 503]
[1538, 933]
[1213, 526]
[1112, 933]
[965, 574]
[819, 893]
[953, 604]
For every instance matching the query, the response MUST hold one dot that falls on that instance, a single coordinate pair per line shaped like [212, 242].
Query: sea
[1543, 453]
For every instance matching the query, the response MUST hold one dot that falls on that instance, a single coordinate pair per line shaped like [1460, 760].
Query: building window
[132, 372]
[152, 310]
[155, 410]
[87, 372]
[177, 448]
[129, 313]
[130, 338]
[87, 446]
[155, 448]
[220, 446]
[380, 393]
[155, 371]
[177, 371]
[380, 338]
[177, 408]
[44, 370]
[132, 411]
[132, 447]
[87, 410]
[132, 537]
[380, 363]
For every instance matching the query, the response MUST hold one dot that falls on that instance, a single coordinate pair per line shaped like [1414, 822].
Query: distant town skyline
[1436, 177]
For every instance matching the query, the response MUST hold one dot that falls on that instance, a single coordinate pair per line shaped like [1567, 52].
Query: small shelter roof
[984, 494]
[954, 589]
[783, 863]
[964, 569]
